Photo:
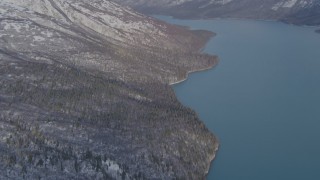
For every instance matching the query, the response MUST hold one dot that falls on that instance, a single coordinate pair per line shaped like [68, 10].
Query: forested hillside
[84, 94]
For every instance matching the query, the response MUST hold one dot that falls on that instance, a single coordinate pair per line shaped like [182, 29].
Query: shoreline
[216, 61]
[186, 76]
[200, 50]
[217, 143]
[216, 149]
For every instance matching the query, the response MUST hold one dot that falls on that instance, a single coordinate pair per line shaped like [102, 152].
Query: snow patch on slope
[284, 4]
[219, 2]
[289, 3]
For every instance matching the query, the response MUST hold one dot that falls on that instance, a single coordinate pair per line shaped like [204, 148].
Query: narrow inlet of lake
[262, 100]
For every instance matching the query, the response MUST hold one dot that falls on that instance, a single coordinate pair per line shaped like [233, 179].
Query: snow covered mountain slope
[72, 28]
[84, 94]
[293, 11]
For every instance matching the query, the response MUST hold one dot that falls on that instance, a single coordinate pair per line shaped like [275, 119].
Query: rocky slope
[84, 94]
[291, 11]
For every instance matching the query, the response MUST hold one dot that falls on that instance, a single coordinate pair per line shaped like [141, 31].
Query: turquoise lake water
[262, 100]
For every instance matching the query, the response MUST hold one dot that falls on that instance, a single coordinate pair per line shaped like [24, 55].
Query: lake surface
[262, 100]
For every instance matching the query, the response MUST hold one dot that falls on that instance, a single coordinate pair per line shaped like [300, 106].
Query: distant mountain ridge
[292, 11]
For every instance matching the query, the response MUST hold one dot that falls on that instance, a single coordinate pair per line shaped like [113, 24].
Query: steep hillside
[84, 94]
[292, 11]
